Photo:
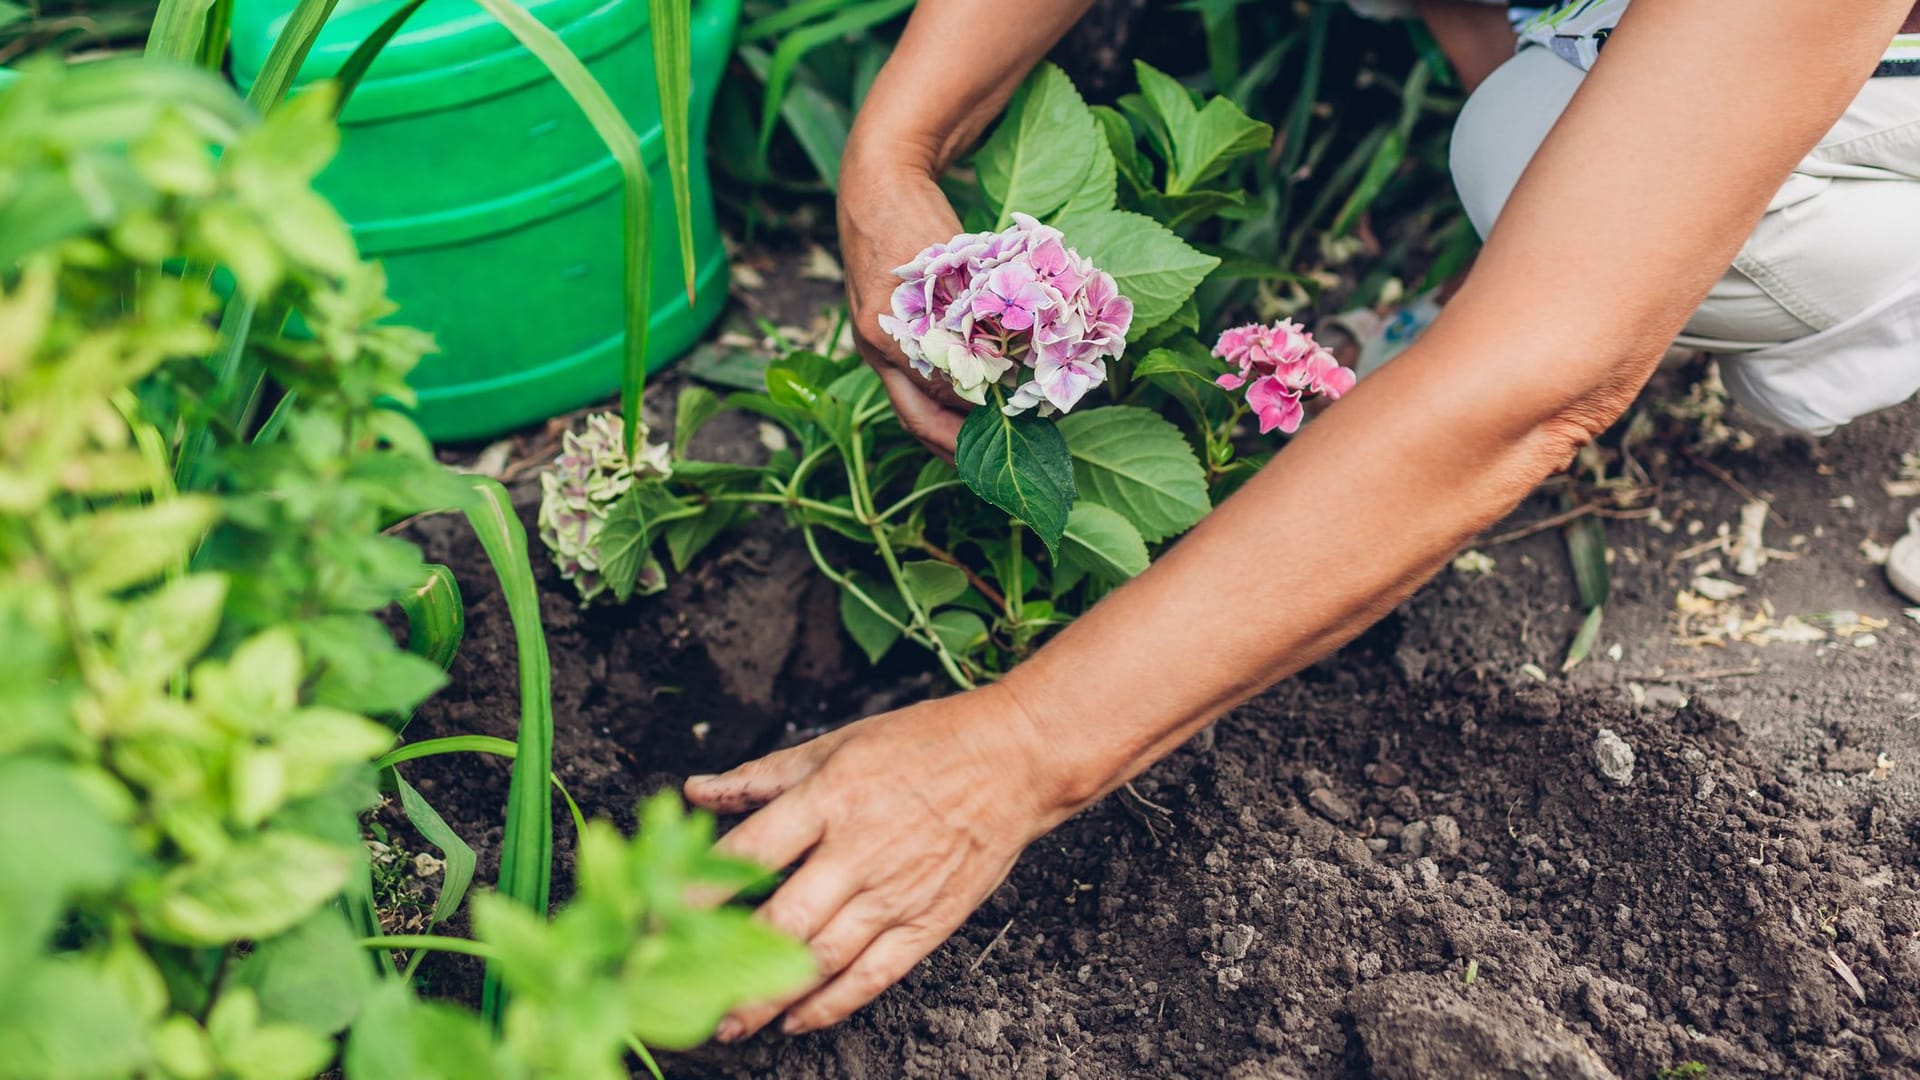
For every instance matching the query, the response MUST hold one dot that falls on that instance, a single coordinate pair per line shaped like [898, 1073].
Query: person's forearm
[1635, 204]
[957, 64]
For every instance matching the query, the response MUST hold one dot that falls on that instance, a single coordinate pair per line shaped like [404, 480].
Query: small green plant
[201, 696]
[978, 563]
[1686, 1070]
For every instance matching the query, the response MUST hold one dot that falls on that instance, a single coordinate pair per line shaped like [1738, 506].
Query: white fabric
[1820, 312]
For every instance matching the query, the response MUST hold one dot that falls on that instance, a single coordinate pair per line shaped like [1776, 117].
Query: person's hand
[889, 212]
[906, 821]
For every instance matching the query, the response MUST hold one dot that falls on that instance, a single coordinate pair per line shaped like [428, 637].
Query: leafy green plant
[202, 694]
[978, 561]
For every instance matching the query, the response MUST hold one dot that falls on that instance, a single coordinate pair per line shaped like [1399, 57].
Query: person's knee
[1502, 125]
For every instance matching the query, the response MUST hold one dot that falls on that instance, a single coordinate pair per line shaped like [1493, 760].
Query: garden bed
[1404, 862]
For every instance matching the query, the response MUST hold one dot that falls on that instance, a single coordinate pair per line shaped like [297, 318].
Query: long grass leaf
[526, 845]
[1584, 641]
[818, 122]
[1587, 547]
[621, 142]
[357, 901]
[436, 617]
[1294, 143]
[672, 22]
[795, 46]
[289, 51]
[213, 43]
[779, 22]
[236, 324]
[355, 69]
[455, 852]
[472, 744]
[179, 26]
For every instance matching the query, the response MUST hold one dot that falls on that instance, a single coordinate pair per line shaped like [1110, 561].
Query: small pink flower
[1279, 365]
[1014, 294]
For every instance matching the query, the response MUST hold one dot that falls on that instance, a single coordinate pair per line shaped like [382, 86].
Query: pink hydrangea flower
[1280, 365]
[1015, 309]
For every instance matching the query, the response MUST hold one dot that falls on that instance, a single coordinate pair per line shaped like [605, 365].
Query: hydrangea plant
[1016, 309]
[1280, 365]
[587, 490]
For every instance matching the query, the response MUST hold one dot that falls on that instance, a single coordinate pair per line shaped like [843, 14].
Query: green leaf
[1155, 269]
[1585, 640]
[526, 845]
[1205, 140]
[315, 975]
[1019, 464]
[687, 537]
[1385, 162]
[1104, 542]
[959, 630]
[436, 617]
[623, 544]
[455, 852]
[1133, 461]
[60, 839]
[670, 23]
[1096, 190]
[401, 1036]
[695, 406]
[361, 670]
[1587, 547]
[164, 631]
[1117, 133]
[355, 69]
[851, 19]
[259, 887]
[871, 631]
[122, 546]
[63, 1020]
[1035, 160]
[933, 583]
[675, 985]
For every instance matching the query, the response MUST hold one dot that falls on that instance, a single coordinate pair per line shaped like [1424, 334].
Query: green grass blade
[789, 17]
[213, 43]
[637, 189]
[646, 1058]
[355, 69]
[236, 324]
[179, 27]
[526, 846]
[1295, 144]
[672, 22]
[436, 617]
[457, 853]
[472, 744]
[1587, 548]
[795, 46]
[818, 122]
[289, 51]
[357, 901]
[1584, 641]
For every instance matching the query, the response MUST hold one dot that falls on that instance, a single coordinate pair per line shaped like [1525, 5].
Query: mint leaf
[1035, 160]
[1133, 461]
[1103, 542]
[1155, 269]
[1019, 464]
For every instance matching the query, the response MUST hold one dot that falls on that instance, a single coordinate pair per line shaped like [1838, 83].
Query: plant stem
[782, 499]
[1016, 583]
[916, 497]
[980, 584]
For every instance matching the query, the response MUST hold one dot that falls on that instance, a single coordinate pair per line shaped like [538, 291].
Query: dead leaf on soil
[1841, 969]
[1472, 561]
[821, 266]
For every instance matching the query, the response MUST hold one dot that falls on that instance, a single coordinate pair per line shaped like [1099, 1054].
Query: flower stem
[435, 942]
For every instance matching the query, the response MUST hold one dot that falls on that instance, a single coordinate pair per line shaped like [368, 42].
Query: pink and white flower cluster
[1017, 309]
[1281, 366]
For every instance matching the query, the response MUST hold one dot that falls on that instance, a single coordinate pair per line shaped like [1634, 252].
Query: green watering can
[470, 174]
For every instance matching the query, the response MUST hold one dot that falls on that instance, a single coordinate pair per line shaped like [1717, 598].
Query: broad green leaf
[1117, 133]
[623, 544]
[1019, 464]
[401, 1036]
[315, 975]
[61, 1019]
[1096, 190]
[1155, 269]
[359, 669]
[1133, 461]
[163, 632]
[455, 852]
[261, 886]
[250, 1048]
[1035, 160]
[871, 631]
[701, 967]
[695, 406]
[1205, 140]
[1104, 542]
[60, 839]
[933, 583]
[959, 630]
[688, 537]
[121, 546]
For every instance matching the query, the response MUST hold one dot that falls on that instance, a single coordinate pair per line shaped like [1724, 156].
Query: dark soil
[1403, 863]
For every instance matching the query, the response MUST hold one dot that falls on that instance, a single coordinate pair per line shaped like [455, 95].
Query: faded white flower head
[581, 486]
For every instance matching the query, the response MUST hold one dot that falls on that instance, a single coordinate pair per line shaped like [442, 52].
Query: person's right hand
[889, 212]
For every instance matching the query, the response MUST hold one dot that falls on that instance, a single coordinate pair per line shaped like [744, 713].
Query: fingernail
[728, 1031]
[792, 1026]
[702, 778]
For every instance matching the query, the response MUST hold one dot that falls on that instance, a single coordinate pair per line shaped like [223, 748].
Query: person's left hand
[906, 822]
